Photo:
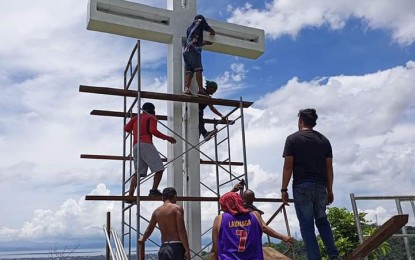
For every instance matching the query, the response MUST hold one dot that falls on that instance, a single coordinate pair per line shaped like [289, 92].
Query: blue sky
[351, 60]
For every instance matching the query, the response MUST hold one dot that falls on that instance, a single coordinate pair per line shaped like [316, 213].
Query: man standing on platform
[308, 157]
[192, 54]
[209, 89]
[170, 218]
[149, 156]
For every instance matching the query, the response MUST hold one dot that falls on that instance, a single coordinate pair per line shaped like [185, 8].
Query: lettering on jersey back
[240, 223]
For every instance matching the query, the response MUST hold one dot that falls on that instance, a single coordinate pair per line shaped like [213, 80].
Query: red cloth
[145, 137]
[231, 202]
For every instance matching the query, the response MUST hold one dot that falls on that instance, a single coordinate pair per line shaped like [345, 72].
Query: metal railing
[398, 200]
[116, 248]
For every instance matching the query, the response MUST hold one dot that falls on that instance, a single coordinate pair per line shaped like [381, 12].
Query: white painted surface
[159, 25]
[169, 26]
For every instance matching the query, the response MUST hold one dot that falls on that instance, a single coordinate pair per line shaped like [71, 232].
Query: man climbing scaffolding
[209, 89]
[149, 156]
[192, 54]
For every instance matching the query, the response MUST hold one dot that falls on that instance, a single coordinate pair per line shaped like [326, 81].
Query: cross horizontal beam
[159, 25]
[158, 198]
[129, 19]
[164, 96]
[125, 158]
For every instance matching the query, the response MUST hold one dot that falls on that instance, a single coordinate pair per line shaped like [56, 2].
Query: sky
[353, 61]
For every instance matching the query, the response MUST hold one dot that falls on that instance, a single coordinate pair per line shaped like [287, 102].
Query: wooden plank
[105, 157]
[163, 96]
[159, 117]
[384, 232]
[158, 198]
[273, 254]
[121, 158]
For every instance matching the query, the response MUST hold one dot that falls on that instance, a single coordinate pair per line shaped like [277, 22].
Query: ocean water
[77, 254]
[50, 254]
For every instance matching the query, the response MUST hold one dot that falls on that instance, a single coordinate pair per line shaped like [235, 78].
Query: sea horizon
[96, 253]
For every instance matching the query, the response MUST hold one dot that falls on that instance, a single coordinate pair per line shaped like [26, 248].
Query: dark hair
[211, 84]
[169, 193]
[201, 17]
[309, 116]
[149, 108]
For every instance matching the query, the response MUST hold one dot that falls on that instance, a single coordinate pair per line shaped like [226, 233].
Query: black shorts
[192, 61]
[171, 251]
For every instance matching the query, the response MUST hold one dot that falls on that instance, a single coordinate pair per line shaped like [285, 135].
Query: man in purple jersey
[236, 234]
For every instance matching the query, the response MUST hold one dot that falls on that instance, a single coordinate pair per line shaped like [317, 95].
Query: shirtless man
[170, 218]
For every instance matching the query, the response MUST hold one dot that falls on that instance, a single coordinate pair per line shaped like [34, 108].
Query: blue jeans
[310, 200]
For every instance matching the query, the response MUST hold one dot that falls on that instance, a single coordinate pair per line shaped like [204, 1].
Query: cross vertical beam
[169, 26]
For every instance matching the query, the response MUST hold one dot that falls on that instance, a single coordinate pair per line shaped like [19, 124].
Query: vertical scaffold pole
[356, 218]
[124, 147]
[217, 173]
[243, 143]
[404, 232]
[138, 144]
[107, 248]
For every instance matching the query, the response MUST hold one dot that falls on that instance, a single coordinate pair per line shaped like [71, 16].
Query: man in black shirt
[308, 157]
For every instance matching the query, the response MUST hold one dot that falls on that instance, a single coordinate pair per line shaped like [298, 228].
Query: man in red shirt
[149, 156]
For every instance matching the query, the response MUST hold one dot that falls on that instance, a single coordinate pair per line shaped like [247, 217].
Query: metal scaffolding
[226, 169]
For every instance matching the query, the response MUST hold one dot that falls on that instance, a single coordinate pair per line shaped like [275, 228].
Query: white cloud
[231, 80]
[289, 17]
[73, 219]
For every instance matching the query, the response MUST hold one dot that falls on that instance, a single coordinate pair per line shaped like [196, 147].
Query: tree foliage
[345, 233]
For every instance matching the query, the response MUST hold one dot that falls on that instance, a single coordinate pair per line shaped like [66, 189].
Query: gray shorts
[149, 158]
[192, 61]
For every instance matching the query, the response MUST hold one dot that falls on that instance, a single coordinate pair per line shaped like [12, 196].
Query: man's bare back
[170, 218]
[167, 216]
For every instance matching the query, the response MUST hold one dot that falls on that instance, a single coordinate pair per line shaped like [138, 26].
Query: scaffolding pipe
[118, 245]
[107, 248]
[138, 145]
[404, 232]
[109, 243]
[217, 174]
[243, 143]
[356, 217]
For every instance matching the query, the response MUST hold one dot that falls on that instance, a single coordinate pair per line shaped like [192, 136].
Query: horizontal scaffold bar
[158, 198]
[163, 96]
[121, 158]
[96, 112]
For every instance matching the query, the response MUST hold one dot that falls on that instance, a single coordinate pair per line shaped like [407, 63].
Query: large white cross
[169, 26]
